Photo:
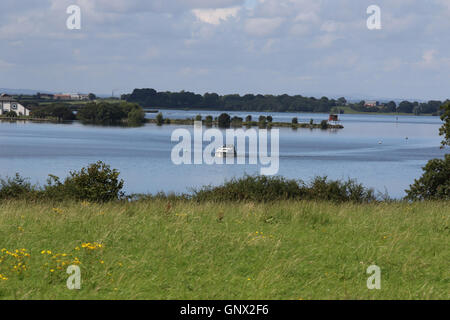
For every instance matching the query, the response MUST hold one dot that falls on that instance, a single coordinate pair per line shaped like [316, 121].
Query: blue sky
[309, 47]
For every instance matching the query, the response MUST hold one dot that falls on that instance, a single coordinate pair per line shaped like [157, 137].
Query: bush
[136, 117]
[250, 188]
[159, 119]
[96, 183]
[445, 129]
[295, 120]
[208, 120]
[11, 114]
[59, 111]
[324, 124]
[101, 113]
[266, 189]
[434, 183]
[15, 187]
[334, 190]
[224, 120]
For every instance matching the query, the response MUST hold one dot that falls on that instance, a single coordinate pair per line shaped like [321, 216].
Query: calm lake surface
[142, 155]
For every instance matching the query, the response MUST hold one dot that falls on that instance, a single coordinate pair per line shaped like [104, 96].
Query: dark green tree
[445, 129]
[434, 183]
[224, 120]
[159, 119]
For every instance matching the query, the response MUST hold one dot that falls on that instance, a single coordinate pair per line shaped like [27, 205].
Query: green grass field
[288, 250]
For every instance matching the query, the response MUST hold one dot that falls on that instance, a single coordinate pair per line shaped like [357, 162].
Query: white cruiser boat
[226, 151]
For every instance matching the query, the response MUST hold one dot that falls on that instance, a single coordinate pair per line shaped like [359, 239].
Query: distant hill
[22, 91]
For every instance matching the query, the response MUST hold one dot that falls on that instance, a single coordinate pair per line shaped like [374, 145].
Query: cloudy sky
[310, 47]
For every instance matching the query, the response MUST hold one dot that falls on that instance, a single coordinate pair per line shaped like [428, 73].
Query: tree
[405, 107]
[208, 120]
[59, 111]
[342, 101]
[269, 119]
[445, 129]
[198, 117]
[92, 96]
[248, 118]
[391, 106]
[224, 120]
[11, 114]
[434, 183]
[159, 119]
[103, 113]
[295, 120]
[96, 183]
[136, 117]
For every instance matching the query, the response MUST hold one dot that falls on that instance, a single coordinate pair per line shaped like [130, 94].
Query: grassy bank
[184, 250]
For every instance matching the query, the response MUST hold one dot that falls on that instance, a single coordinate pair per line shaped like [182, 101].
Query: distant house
[62, 97]
[46, 96]
[372, 104]
[7, 104]
[71, 96]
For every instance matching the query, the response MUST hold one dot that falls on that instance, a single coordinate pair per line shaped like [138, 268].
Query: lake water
[142, 155]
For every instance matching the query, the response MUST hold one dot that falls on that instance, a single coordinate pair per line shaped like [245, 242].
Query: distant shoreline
[155, 110]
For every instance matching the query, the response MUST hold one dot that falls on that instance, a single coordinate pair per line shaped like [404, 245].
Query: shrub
[295, 120]
[269, 119]
[334, 190]
[224, 120]
[15, 187]
[101, 113]
[136, 117]
[159, 119]
[96, 183]
[236, 121]
[265, 189]
[445, 129]
[324, 124]
[251, 188]
[208, 120]
[198, 117]
[434, 183]
[11, 114]
[59, 111]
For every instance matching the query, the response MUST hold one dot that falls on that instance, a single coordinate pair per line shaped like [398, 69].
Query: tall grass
[163, 249]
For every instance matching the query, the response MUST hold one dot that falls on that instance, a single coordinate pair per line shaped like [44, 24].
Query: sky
[308, 47]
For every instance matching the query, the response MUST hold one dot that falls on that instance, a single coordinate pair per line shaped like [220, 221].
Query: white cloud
[216, 16]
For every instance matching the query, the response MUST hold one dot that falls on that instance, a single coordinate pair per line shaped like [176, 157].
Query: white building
[7, 103]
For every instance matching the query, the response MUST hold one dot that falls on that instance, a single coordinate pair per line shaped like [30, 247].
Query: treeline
[150, 98]
[430, 107]
[103, 113]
